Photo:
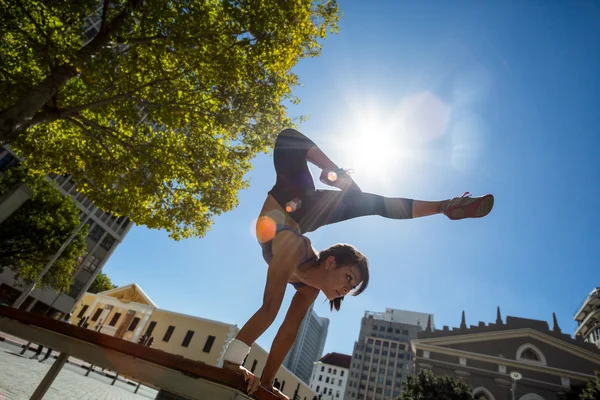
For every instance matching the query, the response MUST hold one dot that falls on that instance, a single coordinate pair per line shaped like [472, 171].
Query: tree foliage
[426, 386]
[33, 234]
[158, 113]
[587, 391]
[101, 283]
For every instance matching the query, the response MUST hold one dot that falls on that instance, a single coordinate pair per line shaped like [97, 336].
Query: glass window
[114, 319]
[168, 333]
[187, 339]
[208, 345]
[134, 324]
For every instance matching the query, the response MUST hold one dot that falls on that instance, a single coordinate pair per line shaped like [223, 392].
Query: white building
[329, 376]
[405, 317]
[588, 318]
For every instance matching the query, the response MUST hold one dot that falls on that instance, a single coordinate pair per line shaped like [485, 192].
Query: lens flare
[266, 228]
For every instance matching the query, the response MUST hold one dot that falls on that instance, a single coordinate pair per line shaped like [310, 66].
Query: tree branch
[105, 5]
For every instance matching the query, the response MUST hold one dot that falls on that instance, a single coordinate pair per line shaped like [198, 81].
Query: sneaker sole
[485, 206]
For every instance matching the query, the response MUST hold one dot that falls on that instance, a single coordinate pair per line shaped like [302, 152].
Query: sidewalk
[20, 377]
[4, 337]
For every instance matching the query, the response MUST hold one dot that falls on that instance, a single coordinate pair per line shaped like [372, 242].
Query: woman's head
[347, 270]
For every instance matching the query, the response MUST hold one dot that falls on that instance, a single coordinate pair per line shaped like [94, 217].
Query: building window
[404, 332]
[83, 310]
[253, 366]
[530, 354]
[342, 373]
[322, 368]
[151, 328]
[318, 388]
[327, 380]
[96, 233]
[482, 393]
[425, 354]
[114, 319]
[134, 324]
[187, 339]
[97, 315]
[107, 242]
[565, 381]
[208, 345]
[168, 333]
[340, 383]
[91, 263]
[329, 370]
[320, 378]
[335, 371]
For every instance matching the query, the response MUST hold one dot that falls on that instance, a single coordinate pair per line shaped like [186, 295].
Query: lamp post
[515, 376]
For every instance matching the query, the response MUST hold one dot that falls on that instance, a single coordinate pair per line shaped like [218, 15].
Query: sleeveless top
[268, 252]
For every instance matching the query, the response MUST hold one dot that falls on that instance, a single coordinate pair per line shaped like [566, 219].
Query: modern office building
[330, 375]
[105, 233]
[128, 313]
[486, 356]
[588, 318]
[382, 357]
[308, 346]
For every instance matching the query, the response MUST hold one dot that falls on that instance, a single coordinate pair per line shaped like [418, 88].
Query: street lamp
[515, 376]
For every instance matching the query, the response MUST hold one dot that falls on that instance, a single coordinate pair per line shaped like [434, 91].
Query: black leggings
[322, 207]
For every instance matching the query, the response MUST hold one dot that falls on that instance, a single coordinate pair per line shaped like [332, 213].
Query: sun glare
[381, 141]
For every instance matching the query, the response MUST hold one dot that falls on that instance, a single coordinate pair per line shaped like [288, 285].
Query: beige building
[128, 313]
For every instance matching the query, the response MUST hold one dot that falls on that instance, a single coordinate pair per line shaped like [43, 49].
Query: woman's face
[339, 279]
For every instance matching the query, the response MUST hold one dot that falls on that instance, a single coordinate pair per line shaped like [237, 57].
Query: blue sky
[441, 97]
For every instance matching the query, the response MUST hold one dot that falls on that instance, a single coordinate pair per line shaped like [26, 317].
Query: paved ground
[20, 376]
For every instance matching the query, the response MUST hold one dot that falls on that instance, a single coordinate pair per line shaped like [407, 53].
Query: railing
[164, 371]
[594, 293]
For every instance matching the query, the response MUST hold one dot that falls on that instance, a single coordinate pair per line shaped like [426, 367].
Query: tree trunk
[15, 120]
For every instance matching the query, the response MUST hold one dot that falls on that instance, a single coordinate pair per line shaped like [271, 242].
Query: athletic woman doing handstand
[294, 207]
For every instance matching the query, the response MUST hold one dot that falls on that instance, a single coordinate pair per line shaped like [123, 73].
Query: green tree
[587, 391]
[426, 386]
[35, 231]
[158, 115]
[101, 284]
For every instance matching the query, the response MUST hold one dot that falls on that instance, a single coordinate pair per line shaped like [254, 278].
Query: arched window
[482, 393]
[531, 396]
[530, 354]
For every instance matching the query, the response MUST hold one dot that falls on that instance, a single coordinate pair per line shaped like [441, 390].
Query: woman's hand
[252, 380]
[276, 391]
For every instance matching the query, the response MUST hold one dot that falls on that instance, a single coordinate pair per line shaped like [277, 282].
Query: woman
[294, 207]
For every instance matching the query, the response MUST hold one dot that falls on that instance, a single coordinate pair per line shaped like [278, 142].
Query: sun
[370, 147]
[385, 142]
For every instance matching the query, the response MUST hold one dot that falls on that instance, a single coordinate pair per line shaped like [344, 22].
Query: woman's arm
[287, 332]
[290, 252]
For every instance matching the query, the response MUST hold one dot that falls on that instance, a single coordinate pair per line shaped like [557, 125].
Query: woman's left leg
[325, 207]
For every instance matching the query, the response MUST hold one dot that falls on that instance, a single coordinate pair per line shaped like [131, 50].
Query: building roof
[337, 359]
[512, 323]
